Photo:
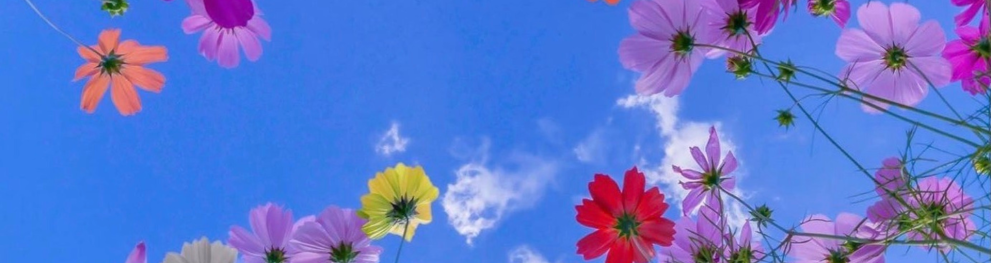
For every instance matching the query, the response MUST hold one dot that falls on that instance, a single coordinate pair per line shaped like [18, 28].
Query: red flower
[627, 223]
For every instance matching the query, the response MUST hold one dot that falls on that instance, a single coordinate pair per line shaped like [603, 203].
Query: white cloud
[391, 142]
[484, 194]
[678, 136]
[524, 254]
[591, 149]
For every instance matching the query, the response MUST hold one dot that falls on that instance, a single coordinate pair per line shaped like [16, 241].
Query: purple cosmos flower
[138, 255]
[335, 232]
[269, 240]
[767, 12]
[664, 49]
[816, 249]
[892, 57]
[697, 240]
[890, 178]
[702, 185]
[941, 204]
[745, 249]
[968, 14]
[227, 26]
[839, 10]
[970, 56]
[732, 26]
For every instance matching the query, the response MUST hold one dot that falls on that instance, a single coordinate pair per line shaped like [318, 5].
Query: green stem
[403, 240]
[36, 11]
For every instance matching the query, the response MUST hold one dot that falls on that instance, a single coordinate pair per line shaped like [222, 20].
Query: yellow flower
[397, 197]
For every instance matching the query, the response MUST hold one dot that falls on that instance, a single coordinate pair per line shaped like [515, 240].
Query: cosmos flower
[970, 56]
[335, 232]
[138, 255]
[890, 178]
[397, 201]
[839, 10]
[731, 26]
[699, 240]
[892, 57]
[202, 251]
[942, 207]
[269, 240]
[973, 6]
[767, 12]
[628, 223]
[228, 26]
[120, 65]
[821, 249]
[664, 49]
[702, 185]
[744, 249]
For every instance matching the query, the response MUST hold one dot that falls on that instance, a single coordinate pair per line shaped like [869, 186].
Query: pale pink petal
[138, 255]
[729, 164]
[683, 75]
[700, 158]
[652, 19]
[260, 28]
[860, 74]
[641, 53]
[692, 201]
[841, 13]
[854, 45]
[195, 23]
[928, 40]
[248, 40]
[847, 224]
[937, 69]
[904, 21]
[876, 21]
[228, 51]
[656, 79]
[712, 149]
[197, 7]
[884, 86]
[209, 43]
[247, 243]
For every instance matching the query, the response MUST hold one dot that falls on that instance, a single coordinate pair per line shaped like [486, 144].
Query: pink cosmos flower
[839, 10]
[745, 249]
[816, 249]
[942, 202]
[892, 57]
[732, 26]
[767, 12]
[695, 240]
[970, 56]
[664, 49]
[228, 26]
[968, 14]
[334, 236]
[702, 185]
[138, 255]
[890, 178]
[269, 240]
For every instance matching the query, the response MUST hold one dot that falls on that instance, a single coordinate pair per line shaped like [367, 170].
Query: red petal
[597, 243]
[657, 231]
[591, 215]
[652, 205]
[621, 252]
[633, 184]
[643, 250]
[605, 192]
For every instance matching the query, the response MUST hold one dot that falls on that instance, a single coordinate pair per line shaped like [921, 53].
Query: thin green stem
[36, 11]
[403, 240]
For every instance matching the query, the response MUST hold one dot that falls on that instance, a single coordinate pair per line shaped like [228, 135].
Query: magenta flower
[839, 10]
[732, 26]
[269, 240]
[697, 241]
[767, 12]
[968, 14]
[970, 55]
[138, 255]
[664, 49]
[702, 185]
[745, 249]
[817, 249]
[944, 207]
[894, 55]
[890, 178]
[334, 236]
[228, 26]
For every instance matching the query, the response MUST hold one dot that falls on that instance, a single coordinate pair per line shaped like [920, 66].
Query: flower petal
[928, 40]
[136, 54]
[591, 215]
[633, 185]
[876, 21]
[124, 96]
[93, 91]
[904, 21]
[605, 192]
[258, 26]
[138, 255]
[248, 40]
[209, 43]
[597, 243]
[195, 23]
[652, 19]
[228, 51]
[88, 54]
[854, 45]
[108, 40]
[641, 53]
[712, 148]
[87, 69]
[144, 78]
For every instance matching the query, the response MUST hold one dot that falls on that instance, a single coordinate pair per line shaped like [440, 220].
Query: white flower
[202, 251]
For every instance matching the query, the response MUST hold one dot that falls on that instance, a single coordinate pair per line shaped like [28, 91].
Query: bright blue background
[299, 126]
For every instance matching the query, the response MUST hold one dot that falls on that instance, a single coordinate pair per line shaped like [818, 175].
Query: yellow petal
[375, 206]
[377, 228]
[423, 213]
[398, 230]
[379, 185]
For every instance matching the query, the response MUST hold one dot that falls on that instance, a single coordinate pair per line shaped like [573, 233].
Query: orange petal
[93, 92]
[88, 55]
[144, 78]
[124, 95]
[87, 69]
[109, 39]
[135, 53]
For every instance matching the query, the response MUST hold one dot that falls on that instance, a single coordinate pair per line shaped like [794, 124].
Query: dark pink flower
[973, 6]
[839, 10]
[969, 56]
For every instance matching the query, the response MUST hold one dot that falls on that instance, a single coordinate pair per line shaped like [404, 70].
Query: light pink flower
[815, 249]
[891, 181]
[892, 57]
[703, 185]
[947, 205]
[228, 26]
[969, 56]
[272, 228]
[663, 49]
[138, 255]
[732, 26]
[839, 10]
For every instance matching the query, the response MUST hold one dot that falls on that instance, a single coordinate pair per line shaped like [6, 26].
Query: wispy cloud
[391, 142]
[524, 254]
[678, 136]
[592, 148]
[484, 194]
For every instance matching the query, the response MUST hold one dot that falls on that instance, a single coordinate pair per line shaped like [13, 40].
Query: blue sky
[524, 95]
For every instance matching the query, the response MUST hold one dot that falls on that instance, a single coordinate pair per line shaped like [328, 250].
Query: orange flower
[120, 66]
[610, 2]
